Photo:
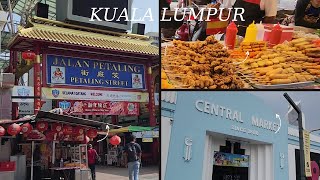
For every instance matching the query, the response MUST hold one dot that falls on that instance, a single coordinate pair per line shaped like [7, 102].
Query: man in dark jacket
[307, 13]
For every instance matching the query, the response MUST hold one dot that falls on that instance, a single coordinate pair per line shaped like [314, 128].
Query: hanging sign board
[306, 141]
[99, 107]
[147, 139]
[86, 94]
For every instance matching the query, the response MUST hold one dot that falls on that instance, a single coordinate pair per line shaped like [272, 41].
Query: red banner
[99, 107]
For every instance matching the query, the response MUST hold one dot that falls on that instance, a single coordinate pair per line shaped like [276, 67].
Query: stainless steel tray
[284, 86]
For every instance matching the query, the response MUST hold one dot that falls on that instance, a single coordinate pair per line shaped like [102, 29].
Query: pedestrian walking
[92, 157]
[133, 152]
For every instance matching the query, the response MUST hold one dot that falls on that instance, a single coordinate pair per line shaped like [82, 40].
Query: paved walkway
[116, 173]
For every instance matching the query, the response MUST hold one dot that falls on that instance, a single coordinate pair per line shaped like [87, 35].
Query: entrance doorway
[259, 154]
[229, 173]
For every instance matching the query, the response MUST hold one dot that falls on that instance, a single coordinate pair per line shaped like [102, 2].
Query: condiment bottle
[251, 33]
[260, 28]
[275, 36]
[231, 35]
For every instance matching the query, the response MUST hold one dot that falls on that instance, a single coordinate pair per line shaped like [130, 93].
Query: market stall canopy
[52, 117]
[21, 120]
[130, 129]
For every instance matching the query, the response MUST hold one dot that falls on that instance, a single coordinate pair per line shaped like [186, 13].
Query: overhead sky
[142, 7]
[310, 104]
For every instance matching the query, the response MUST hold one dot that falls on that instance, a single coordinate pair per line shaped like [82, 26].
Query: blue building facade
[196, 125]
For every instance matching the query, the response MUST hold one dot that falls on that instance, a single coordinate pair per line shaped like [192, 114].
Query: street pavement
[116, 173]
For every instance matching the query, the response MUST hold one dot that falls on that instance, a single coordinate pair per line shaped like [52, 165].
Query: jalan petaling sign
[73, 71]
[236, 116]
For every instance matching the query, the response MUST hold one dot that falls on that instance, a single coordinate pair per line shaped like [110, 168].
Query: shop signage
[227, 159]
[71, 71]
[85, 94]
[147, 139]
[146, 134]
[26, 108]
[306, 142]
[235, 116]
[24, 91]
[99, 107]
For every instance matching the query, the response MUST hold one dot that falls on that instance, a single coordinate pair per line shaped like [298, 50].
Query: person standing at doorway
[133, 151]
[92, 156]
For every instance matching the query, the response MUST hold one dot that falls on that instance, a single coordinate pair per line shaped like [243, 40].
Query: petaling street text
[98, 81]
[109, 66]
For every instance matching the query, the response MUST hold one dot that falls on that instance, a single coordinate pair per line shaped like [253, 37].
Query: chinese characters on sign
[99, 108]
[85, 72]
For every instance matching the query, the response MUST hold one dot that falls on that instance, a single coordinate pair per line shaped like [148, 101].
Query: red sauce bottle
[231, 35]
[276, 34]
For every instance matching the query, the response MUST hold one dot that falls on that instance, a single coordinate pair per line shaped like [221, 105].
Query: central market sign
[72, 71]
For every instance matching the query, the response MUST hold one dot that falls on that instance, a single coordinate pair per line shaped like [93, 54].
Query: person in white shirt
[255, 10]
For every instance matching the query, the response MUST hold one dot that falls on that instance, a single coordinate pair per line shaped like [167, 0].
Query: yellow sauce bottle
[251, 33]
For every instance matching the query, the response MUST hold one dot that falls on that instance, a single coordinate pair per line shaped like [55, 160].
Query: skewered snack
[253, 46]
[201, 65]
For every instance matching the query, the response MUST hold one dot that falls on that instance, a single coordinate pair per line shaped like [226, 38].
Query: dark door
[229, 173]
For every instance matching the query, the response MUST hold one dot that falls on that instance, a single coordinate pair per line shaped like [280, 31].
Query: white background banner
[86, 94]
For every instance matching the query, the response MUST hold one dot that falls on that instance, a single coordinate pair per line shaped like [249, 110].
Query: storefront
[47, 145]
[221, 135]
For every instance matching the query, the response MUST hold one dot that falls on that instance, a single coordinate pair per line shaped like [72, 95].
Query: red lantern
[56, 127]
[115, 140]
[78, 131]
[42, 126]
[50, 135]
[14, 129]
[28, 56]
[26, 128]
[67, 130]
[2, 131]
[92, 133]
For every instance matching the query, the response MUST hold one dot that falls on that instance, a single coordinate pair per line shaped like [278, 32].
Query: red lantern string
[115, 140]
[2, 131]
[28, 56]
[67, 130]
[56, 127]
[92, 133]
[26, 128]
[78, 131]
[42, 126]
[14, 129]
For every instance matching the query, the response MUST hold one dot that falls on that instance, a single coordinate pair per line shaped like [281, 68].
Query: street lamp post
[302, 159]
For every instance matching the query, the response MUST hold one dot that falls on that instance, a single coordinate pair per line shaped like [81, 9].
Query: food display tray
[277, 86]
[284, 86]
